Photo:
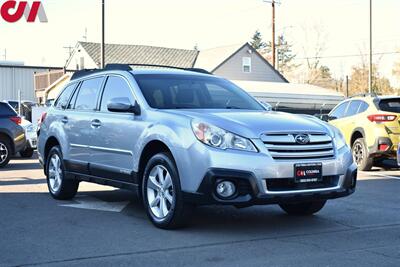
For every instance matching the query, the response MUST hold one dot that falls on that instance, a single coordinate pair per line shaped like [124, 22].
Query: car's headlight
[339, 138]
[30, 128]
[219, 138]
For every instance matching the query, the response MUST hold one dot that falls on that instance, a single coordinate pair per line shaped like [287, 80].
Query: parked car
[31, 139]
[370, 125]
[182, 138]
[12, 135]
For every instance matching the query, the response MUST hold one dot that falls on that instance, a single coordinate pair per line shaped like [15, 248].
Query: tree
[396, 70]
[257, 41]
[359, 81]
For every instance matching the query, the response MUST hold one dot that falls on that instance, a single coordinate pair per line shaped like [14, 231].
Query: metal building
[15, 77]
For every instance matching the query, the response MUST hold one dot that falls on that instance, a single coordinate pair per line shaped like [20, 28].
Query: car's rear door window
[88, 94]
[363, 107]
[390, 105]
[353, 108]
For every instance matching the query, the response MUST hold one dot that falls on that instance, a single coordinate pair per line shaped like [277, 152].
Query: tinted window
[87, 96]
[62, 100]
[6, 110]
[116, 87]
[363, 107]
[339, 111]
[167, 91]
[390, 105]
[353, 108]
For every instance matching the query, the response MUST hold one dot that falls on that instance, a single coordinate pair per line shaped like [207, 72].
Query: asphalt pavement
[103, 226]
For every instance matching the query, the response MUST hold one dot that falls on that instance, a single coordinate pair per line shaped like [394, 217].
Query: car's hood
[252, 124]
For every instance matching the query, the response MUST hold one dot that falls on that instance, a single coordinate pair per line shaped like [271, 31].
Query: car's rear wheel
[5, 152]
[27, 153]
[303, 208]
[162, 195]
[360, 155]
[59, 187]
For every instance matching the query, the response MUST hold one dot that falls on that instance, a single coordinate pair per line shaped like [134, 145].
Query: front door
[115, 135]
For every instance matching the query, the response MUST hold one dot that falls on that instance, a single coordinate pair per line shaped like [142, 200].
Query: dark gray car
[12, 135]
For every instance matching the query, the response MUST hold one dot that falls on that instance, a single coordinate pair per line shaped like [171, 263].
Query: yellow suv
[370, 125]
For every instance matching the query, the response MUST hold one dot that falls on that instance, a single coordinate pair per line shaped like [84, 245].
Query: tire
[5, 152]
[303, 208]
[59, 187]
[27, 153]
[360, 155]
[159, 191]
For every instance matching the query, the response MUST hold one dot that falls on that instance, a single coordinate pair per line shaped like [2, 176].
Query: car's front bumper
[248, 193]
[201, 166]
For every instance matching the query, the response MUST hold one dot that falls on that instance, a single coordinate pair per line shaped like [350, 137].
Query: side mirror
[123, 105]
[326, 117]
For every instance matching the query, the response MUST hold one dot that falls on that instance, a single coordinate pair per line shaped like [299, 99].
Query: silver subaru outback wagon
[182, 138]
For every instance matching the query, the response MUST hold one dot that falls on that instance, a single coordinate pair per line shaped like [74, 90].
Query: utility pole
[85, 36]
[102, 63]
[273, 35]
[347, 86]
[273, 44]
[5, 54]
[370, 49]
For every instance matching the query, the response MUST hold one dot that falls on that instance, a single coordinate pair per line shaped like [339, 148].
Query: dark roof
[141, 54]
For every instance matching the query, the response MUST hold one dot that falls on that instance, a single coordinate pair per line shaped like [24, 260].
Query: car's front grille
[289, 184]
[283, 146]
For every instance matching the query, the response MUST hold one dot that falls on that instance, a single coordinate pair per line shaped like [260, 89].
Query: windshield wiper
[232, 107]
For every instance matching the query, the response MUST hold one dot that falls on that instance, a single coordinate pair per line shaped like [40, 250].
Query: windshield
[167, 91]
[390, 105]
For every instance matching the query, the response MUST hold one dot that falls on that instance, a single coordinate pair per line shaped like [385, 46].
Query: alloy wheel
[55, 173]
[160, 192]
[358, 153]
[3, 153]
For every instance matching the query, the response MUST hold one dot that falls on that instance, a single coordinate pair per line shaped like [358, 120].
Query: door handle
[64, 120]
[96, 123]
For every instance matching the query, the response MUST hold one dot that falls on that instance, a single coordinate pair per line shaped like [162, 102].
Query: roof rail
[81, 73]
[364, 95]
[168, 67]
[127, 67]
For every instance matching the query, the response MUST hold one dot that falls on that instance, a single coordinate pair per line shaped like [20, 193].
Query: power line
[350, 55]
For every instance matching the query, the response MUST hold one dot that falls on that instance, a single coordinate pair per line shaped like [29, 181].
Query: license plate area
[308, 172]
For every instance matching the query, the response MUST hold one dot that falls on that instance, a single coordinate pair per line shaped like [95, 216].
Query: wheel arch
[9, 139]
[50, 143]
[152, 148]
[357, 133]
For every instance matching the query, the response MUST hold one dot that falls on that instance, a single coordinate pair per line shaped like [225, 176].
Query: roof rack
[364, 95]
[127, 67]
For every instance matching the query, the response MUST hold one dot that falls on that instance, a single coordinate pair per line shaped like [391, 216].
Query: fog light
[226, 189]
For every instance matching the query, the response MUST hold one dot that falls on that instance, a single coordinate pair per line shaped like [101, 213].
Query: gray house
[237, 62]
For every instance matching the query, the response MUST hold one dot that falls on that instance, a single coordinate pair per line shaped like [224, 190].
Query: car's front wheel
[360, 155]
[303, 208]
[27, 153]
[162, 195]
[59, 187]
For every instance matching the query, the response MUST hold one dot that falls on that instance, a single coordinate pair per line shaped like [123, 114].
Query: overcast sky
[209, 23]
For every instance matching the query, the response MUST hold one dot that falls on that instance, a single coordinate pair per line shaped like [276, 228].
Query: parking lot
[108, 226]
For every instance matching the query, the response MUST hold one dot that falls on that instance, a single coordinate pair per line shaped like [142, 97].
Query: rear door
[114, 139]
[78, 123]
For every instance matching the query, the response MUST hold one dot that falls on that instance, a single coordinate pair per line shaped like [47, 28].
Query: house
[236, 62]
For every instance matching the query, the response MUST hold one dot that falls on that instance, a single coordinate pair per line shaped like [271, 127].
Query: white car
[31, 139]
